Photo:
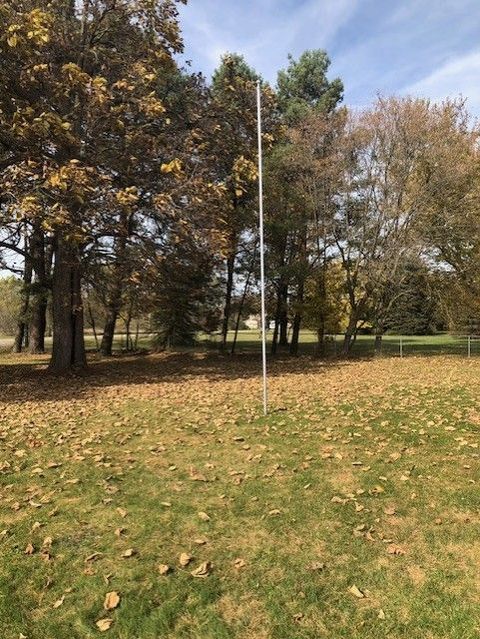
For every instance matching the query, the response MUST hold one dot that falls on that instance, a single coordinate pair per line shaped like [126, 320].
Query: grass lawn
[351, 511]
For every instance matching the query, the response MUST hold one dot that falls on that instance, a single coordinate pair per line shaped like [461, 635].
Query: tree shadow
[22, 381]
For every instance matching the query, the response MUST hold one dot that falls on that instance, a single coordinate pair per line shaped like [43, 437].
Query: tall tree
[75, 112]
[307, 101]
[234, 146]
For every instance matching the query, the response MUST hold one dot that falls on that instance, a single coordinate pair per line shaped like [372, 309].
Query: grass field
[249, 342]
[351, 511]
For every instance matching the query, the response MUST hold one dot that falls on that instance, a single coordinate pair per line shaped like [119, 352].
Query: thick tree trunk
[228, 301]
[38, 325]
[106, 345]
[350, 335]
[68, 339]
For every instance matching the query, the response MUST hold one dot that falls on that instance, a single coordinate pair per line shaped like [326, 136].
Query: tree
[10, 304]
[376, 228]
[80, 121]
[299, 173]
[234, 148]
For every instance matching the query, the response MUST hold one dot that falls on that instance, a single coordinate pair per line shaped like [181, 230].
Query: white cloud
[460, 76]
[262, 30]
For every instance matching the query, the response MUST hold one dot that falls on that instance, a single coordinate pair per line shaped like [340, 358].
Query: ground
[352, 510]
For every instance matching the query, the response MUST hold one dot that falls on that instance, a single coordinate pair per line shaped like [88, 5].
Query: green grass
[356, 460]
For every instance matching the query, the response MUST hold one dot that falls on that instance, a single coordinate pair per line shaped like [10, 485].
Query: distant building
[254, 323]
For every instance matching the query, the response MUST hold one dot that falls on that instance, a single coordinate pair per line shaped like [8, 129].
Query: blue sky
[419, 47]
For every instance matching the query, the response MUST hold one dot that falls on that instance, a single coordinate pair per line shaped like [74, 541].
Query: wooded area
[129, 190]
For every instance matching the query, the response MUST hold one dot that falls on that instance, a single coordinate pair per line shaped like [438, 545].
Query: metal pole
[469, 346]
[262, 251]
[401, 347]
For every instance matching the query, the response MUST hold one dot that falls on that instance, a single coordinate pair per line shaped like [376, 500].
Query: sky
[428, 48]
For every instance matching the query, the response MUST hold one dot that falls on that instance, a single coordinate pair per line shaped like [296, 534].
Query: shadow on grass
[26, 378]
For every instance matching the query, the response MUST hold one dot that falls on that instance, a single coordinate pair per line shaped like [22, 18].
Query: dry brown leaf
[93, 556]
[394, 549]
[112, 599]
[203, 516]
[59, 602]
[203, 570]
[200, 541]
[164, 569]
[128, 553]
[29, 550]
[356, 592]
[239, 563]
[104, 624]
[184, 559]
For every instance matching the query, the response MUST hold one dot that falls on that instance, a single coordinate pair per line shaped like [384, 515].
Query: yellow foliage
[175, 167]
[127, 196]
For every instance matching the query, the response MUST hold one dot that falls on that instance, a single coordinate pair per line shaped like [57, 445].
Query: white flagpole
[262, 256]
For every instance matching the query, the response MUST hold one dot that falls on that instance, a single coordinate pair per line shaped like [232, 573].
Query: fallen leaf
[394, 549]
[93, 556]
[200, 541]
[203, 516]
[104, 624]
[356, 592]
[112, 599]
[184, 559]
[59, 602]
[164, 569]
[203, 570]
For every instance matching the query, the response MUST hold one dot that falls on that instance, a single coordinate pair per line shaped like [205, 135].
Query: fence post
[401, 347]
[469, 346]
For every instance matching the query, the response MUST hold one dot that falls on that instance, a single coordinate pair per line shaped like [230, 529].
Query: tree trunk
[68, 339]
[106, 345]
[21, 334]
[39, 291]
[322, 296]
[321, 340]
[242, 303]
[38, 325]
[283, 320]
[297, 320]
[92, 323]
[378, 339]
[350, 334]
[228, 301]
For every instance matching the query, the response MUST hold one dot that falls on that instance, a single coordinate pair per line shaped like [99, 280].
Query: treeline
[129, 190]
